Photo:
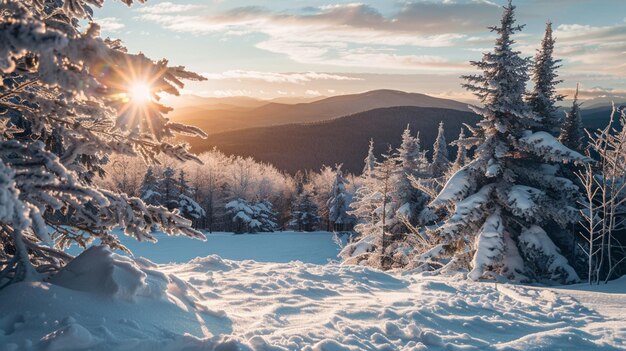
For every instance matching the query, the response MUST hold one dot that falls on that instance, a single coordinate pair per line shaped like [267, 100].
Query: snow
[313, 247]
[212, 303]
[548, 147]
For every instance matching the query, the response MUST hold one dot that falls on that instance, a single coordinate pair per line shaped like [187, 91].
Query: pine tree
[304, 216]
[370, 160]
[66, 114]
[149, 188]
[339, 203]
[441, 161]
[461, 154]
[544, 97]
[572, 131]
[407, 201]
[374, 243]
[510, 191]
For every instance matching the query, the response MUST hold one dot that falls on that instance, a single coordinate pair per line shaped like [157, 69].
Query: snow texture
[212, 303]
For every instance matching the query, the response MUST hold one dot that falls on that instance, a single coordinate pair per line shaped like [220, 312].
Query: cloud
[110, 24]
[334, 34]
[168, 7]
[273, 77]
[593, 48]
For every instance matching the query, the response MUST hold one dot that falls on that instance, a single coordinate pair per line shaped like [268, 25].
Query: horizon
[328, 48]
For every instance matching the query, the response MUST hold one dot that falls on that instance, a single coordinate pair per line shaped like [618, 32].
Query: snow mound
[98, 270]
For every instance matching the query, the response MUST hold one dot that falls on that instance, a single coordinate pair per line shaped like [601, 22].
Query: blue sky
[306, 48]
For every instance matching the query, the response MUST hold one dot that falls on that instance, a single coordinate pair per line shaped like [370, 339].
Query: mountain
[293, 147]
[344, 140]
[215, 121]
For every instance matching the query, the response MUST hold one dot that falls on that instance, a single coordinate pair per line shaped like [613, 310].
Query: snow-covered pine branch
[66, 105]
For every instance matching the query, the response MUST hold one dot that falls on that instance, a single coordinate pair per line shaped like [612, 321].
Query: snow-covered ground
[110, 302]
[315, 247]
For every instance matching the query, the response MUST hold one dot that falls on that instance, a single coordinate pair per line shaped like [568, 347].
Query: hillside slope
[342, 140]
[215, 120]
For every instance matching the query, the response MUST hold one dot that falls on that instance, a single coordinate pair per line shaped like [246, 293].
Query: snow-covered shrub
[66, 103]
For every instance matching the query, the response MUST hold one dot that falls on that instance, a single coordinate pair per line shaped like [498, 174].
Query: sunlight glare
[140, 93]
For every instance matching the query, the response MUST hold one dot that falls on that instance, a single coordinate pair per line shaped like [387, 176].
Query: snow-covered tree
[604, 210]
[304, 216]
[407, 201]
[543, 98]
[441, 159]
[370, 160]
[150, 188]
[67, 101]
[510, 191]
[461, 153]
[339, 203]
[247, 217]
[572, 132]
[373, 210]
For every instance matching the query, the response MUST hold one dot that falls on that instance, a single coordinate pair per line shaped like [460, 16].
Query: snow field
[110, 302]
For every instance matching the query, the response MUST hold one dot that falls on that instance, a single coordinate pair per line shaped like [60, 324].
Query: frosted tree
[68, 100]
[461, 154]
[407, 201]
[505, 197]
[339, 203]
[604, 211]
[149, 191]
[441, 160]
[572, 132]
[543, 98]
[370, 160]
[304, 216]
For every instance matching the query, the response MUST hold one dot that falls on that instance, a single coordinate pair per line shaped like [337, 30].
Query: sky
[312, 48]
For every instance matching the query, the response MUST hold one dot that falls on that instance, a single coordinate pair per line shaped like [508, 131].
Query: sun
[140, 92]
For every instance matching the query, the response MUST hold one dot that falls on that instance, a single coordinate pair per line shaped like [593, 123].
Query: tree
[370, 160]
[572, 132]
[339, 203]
[543, 97]
[441, 161]
[504, 198]
[604, 206]
[372, 247]
[461, 154]
[304, 216]
[406, 200]
[62, 114]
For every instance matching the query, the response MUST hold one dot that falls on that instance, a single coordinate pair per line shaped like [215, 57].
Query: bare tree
[604, 207]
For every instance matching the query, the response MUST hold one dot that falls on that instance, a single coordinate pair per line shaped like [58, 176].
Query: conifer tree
[68, 93]
[304, 216]
[406, 200]
[461, 153]
[505, 196]
[370, 160]
[339, 203]
[572, 131]
[543, 97]
[441, 161]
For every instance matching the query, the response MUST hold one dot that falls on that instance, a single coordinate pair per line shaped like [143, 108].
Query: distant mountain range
[336, 130]
[215, 116]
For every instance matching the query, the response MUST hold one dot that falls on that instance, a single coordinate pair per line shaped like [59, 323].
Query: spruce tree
[461, 153]
[68, 95]
[510, 191]
[304, 216]
[406, 200]
[572, 131]
[370, 160]
[339, 203]
[441, 161]
[543, 98]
